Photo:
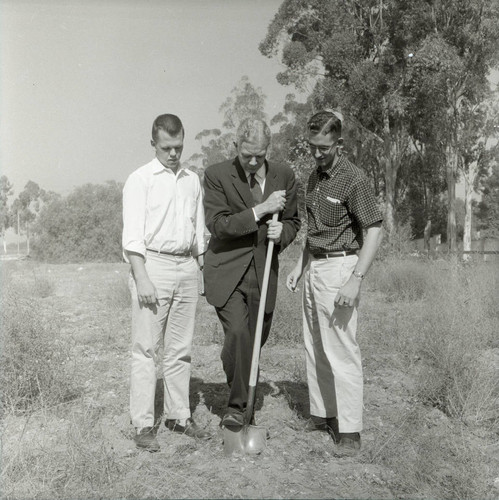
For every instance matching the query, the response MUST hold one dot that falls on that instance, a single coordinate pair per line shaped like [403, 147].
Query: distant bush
[85, 226]
[35, 362]
[398, 244]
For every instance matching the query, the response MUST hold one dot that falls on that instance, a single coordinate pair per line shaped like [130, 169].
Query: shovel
[252, 439]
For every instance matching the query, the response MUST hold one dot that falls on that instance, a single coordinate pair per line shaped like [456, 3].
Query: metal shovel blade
[246, 440]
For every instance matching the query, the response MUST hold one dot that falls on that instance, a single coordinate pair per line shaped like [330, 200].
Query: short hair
[171, 124]
[252, 130]
[324, 122]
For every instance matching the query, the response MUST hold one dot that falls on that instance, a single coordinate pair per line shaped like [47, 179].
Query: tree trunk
[451, 202]
[427, 236]
[469, 182]
[390, 173]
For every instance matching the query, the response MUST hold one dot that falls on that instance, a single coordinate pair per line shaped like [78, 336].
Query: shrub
[83, 227]
[398, 244]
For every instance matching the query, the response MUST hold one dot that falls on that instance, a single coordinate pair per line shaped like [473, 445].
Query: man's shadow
[216, 395]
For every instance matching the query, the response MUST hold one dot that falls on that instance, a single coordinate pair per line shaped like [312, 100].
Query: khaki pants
[334, 370]
[169, 324]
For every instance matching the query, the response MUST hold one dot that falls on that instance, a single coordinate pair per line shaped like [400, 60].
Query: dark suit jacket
[236, 237]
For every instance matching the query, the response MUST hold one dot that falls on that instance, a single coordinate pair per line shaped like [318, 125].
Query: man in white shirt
[163, 240]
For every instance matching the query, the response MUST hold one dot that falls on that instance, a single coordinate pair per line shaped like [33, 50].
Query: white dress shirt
[260, 176]
[163, 211]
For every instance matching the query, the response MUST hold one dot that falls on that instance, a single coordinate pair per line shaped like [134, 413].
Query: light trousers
[169, 324]
[333, 361]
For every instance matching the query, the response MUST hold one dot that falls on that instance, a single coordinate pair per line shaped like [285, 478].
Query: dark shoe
[146, 439]
[349, 444]
[333, 429]
[315, 424]
[232, 418]
[190, 429]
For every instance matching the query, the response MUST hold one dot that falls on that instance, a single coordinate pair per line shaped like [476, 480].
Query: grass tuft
[37, 370]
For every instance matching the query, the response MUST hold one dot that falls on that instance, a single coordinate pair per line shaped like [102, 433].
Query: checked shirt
[340, 202]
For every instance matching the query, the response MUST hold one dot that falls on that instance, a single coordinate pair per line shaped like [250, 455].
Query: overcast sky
[82, 80]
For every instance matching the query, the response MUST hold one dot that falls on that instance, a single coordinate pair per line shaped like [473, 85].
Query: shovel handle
[255, 360]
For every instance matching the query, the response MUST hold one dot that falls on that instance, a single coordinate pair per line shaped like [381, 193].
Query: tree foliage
[84, 226]
[488, 208]
[6, 191]
[403, 72]
[244, 101]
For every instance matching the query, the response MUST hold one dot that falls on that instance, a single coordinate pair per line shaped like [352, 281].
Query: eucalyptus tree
[26, 209]
[343, 48]
[487, 209]
[397, 68]
[6, 191]
[478, 152]
[448, 79]
[244, 100]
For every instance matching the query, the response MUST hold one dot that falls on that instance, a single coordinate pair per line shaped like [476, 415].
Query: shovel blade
[255, 440]
[248, 440]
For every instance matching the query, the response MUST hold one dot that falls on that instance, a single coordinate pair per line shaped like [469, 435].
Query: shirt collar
[158, 167]
[337, 161]
[260, 174]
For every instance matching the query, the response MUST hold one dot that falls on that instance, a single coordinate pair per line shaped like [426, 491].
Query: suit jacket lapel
[270, 181]
[241, 183]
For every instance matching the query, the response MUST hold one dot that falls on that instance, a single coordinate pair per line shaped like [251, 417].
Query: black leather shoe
[146, 440]
[190, 429]
[349, 444]
[333, 429]
[232, 419]
[315, 424]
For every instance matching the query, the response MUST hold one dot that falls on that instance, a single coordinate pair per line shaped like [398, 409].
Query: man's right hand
[293, 279]
[274, 203]
[146, 291]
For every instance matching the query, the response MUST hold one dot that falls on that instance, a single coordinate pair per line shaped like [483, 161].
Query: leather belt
[334, 254]
[169, 253]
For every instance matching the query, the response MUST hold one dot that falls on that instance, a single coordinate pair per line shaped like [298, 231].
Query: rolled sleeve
[134, 211]
[362, 204]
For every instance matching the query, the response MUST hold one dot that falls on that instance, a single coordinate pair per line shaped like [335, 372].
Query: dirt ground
[84, 448]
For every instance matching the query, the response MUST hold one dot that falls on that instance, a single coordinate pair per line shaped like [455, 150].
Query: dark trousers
[238, 317]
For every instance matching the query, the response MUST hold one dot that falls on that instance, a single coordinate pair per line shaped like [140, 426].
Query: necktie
[255, 189]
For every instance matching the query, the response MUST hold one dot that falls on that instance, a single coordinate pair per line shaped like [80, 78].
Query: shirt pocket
[332, 211]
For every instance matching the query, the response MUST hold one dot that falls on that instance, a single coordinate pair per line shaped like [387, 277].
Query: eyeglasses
[324, 150]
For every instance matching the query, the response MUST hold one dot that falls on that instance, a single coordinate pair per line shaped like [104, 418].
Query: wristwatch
[359, 275]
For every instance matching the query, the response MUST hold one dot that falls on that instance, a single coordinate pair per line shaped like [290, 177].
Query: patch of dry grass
[36, 366]
[429, 338]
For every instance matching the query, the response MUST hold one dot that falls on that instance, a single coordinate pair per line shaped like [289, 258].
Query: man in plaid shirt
[343, 236]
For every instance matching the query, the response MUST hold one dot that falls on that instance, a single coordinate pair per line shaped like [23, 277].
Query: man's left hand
[348, 293]
[274, 231]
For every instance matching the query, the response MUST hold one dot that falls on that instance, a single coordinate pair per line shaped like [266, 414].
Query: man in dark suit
[240, 197]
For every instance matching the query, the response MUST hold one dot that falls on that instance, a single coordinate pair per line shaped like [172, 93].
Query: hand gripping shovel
[252, 439]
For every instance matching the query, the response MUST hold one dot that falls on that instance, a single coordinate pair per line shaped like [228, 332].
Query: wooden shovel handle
[255, 360]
